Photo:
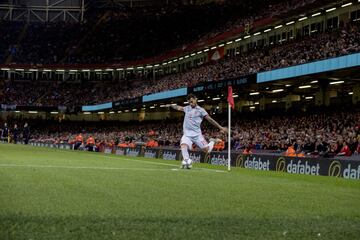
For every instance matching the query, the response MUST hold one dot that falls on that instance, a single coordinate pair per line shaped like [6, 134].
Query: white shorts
[198, 140]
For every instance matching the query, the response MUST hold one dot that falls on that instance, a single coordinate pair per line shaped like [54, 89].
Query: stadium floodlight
[258, 33]
[331, 9]
[156, 65]
[289, 23]
[221, 45]
[254, 93]
[112, 112]
[316, 14]
[73, 70]
[230, 42]
[199, 52]
[170, 62]
[175, 60]
[307, 98]
[152, 107]
[87, 113]
[109, 69]
[216, 98]
[238, 40]
[60, 70]
[187, 56]
[212, 48]
[119, 69]
[97, 70]
[54, 112]
[181, 58]
[46, 70]
[235, 96]
[85, 70]
[315, 81]
[337, 82]
[134, 110]
[173, 104]
[149, 66]
[274, 101]
[267, 30]
[162, 105]
[130, 68]
[302, 19]
[5, 69]
[247, 36]
[126, 110]
[257, 103]
[201, 100]
[278, 26]
[19, 69]
[193, 54]
[33, 70]
[186, 102]
[164, 64]
[119, 111]
[305, 86]
[17, 111]
[206, 50]
[346, 4]
[100, 113]
[33, 112]
[351, 93]
[252, 107]
[140, 68]
[278, 90]
[287, 85]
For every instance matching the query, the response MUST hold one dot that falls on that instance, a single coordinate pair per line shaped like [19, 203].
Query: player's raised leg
[202, 143]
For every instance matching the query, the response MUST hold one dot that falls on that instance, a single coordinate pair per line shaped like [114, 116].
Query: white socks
[185, 153]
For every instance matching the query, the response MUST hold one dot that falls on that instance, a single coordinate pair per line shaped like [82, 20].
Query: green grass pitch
[59, 194]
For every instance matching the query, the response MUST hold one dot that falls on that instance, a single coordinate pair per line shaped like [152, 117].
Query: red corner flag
[230, 98]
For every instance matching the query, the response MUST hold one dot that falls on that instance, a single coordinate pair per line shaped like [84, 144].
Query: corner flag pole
[231, 104]
[229, 136]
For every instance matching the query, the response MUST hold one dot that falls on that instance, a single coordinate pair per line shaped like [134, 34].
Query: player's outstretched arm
[216, 124]
[176, 107]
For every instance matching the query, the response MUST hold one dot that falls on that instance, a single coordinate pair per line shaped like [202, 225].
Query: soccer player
[5, 133]
[26, 133]
[194, 114]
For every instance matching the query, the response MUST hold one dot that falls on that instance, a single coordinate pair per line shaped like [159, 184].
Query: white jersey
[192, 120]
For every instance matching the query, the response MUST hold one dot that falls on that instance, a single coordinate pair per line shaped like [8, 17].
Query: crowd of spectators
[337, 42]
[134, 34]
[317, 133]
[115, 35]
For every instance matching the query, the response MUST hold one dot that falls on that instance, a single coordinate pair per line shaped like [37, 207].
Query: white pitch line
[82, 167]
[166, 164]
[148, 162]
[85, 167]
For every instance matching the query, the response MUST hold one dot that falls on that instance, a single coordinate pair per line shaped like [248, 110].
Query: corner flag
[230, 97]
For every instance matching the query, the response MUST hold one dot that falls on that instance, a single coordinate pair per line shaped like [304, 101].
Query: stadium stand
[319, 132]
[315, 133]
[345, 40]
[93, 41]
